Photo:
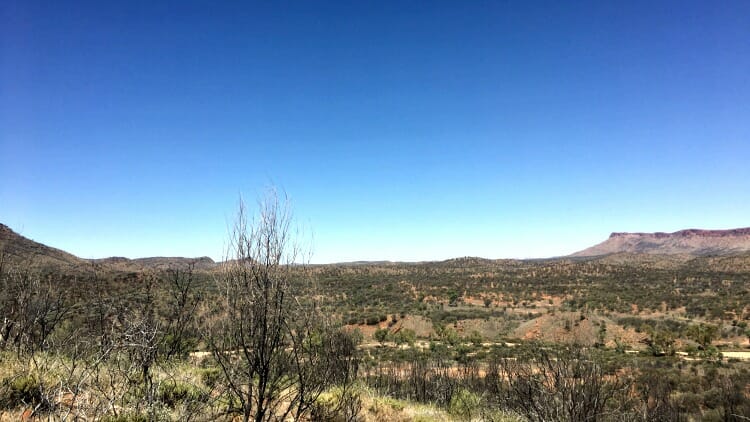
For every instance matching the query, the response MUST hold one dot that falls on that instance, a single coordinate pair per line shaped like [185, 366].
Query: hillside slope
[17, 249]
[692, 242]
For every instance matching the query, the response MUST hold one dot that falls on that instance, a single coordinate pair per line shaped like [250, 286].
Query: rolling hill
[15, 248]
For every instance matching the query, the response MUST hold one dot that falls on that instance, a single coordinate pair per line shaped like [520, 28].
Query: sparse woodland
[265, 337]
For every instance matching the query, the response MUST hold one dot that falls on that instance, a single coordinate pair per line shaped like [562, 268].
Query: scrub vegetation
[264, 337]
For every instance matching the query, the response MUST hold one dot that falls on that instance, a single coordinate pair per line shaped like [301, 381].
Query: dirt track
[736, 355]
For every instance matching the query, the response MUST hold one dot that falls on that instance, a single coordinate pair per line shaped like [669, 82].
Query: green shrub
[475, 338]
[337, 405]
[405, 336]
[21, 390]
[381, 335]
[211, 376]
[174, 393]
[127, 417]
[394, 404]
[464, 404]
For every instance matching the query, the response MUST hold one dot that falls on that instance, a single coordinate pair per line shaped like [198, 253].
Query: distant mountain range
[691, 242]
[684, 242]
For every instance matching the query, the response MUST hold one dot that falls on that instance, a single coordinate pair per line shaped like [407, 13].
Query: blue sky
[401, 130]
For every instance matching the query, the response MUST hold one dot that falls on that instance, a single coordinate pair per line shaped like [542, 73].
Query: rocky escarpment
[691, 242]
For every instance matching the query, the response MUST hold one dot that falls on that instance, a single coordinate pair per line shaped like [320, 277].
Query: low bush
[211, 376]
[127, 417]
[174, 392]
[23, 389]
[464, 404]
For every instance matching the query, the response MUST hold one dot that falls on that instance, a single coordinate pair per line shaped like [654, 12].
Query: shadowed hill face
[688, 242]
[19, 249]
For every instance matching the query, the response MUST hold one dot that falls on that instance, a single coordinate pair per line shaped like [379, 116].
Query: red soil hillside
[688, 242]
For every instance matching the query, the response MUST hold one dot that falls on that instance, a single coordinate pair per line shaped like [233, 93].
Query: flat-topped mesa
[656, 235]
[694, 242]
[686, 233]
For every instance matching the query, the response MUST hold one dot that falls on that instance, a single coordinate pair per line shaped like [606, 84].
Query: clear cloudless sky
[404, 130]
